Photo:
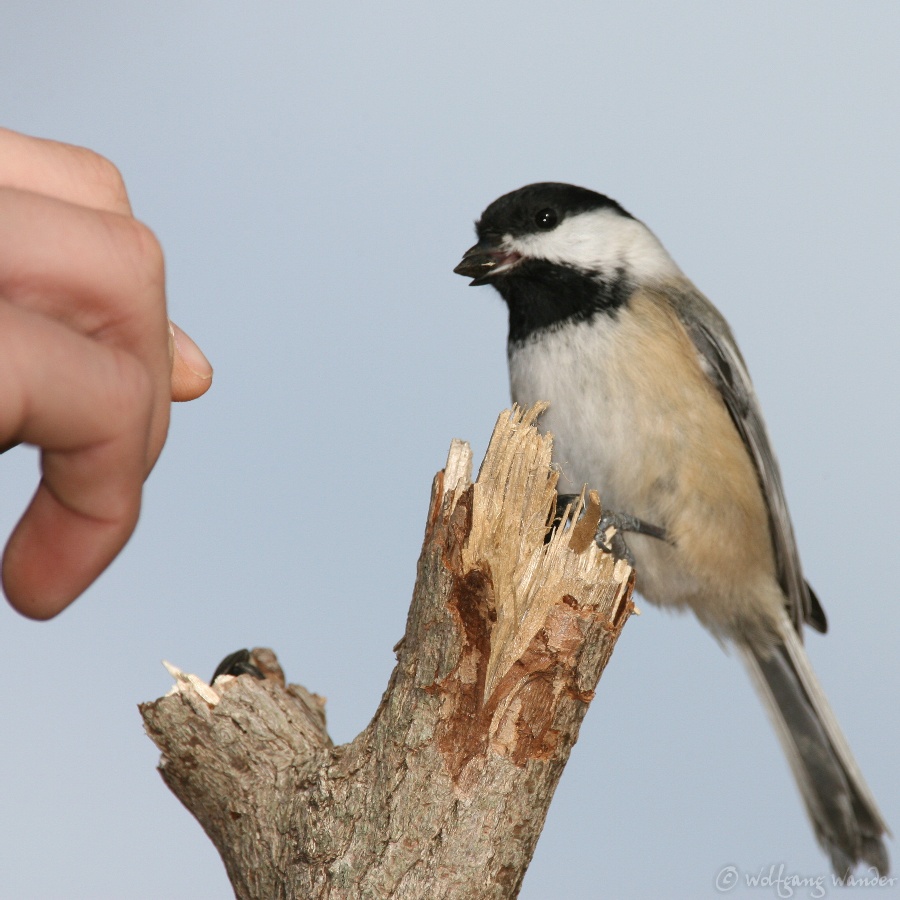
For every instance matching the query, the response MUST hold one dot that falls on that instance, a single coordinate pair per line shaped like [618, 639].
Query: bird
[651, 404]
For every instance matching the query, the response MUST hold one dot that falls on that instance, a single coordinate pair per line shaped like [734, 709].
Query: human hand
[89, 363]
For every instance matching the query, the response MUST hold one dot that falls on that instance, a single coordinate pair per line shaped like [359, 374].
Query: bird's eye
[546, 219]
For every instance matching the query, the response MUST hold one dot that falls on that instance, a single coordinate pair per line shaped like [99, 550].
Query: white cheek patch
[601, 240]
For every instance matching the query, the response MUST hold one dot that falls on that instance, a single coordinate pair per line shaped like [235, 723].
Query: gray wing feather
[723, 363]
[840, 805]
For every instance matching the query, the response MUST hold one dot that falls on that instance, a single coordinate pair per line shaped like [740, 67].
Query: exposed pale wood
[444, 794]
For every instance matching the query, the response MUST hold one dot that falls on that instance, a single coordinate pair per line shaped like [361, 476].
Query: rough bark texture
[444, 794]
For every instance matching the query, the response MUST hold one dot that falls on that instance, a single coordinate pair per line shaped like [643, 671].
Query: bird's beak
[485, 260]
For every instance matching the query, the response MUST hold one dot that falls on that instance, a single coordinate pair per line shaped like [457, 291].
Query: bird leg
[611, 529]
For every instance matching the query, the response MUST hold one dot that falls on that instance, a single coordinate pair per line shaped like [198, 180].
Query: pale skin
[89, 363]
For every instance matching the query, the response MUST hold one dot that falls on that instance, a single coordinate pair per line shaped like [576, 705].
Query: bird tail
[840, 806]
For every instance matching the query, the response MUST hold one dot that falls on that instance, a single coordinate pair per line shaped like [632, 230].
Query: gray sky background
[313, 172]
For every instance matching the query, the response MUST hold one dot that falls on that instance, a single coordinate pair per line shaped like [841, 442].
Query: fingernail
[191, 355]
[171, 342]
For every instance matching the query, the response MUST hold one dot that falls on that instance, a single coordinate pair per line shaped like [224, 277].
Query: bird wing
[725, 367]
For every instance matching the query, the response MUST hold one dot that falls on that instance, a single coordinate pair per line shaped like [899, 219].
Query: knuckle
[104, 175]
[145, 249]
[140, 263]
[132, 396]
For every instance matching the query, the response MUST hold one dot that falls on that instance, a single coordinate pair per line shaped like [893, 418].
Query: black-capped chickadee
[651, 404]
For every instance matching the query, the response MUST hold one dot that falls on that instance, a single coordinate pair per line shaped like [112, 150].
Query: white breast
[606, 428]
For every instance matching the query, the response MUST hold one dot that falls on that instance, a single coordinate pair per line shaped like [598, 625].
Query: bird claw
[612, 527]
[610, 539]
[611, 534]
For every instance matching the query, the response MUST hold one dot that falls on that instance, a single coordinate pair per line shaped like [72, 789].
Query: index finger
[63, 171]
[89, 407]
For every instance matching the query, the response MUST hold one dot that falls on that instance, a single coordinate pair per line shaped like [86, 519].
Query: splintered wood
[513, 502]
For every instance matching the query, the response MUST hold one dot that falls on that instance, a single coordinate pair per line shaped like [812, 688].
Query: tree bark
[445, 793]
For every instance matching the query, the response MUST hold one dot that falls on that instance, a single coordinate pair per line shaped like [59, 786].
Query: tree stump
[444, 794]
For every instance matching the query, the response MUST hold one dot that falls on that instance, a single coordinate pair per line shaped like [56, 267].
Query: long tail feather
[840, 806]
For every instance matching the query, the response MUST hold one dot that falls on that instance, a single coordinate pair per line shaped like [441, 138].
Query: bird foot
[612, 527]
